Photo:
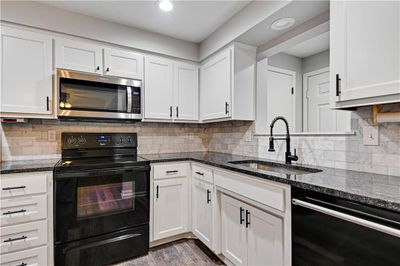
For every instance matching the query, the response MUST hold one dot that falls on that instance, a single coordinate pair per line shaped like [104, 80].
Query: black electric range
[101, 199]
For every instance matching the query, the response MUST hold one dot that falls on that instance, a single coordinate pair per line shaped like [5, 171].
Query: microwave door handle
[347, 217]
[129, 100]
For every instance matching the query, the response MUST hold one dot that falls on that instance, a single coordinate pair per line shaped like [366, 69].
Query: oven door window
[105, 199]
[92, 96]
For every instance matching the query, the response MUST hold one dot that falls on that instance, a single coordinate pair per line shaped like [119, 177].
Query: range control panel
[98, 140]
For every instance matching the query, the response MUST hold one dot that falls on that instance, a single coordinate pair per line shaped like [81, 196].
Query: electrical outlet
[51, 135]
[371, 136]
[248, 137]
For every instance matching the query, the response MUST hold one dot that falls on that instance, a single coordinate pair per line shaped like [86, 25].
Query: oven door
[95, 202]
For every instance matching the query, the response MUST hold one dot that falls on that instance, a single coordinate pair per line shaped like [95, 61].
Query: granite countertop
[40, 165]
[373, 189]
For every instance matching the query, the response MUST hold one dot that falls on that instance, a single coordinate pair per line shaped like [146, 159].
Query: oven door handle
[350, 218]
[97, 171]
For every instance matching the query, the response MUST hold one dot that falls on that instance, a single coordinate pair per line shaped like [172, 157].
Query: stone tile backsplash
[30, 140]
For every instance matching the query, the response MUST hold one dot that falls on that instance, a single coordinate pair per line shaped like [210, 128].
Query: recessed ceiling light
[282, 23]
[165, 5]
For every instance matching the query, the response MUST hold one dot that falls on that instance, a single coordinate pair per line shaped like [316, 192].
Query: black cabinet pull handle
[241, 215]
[338, 80]
[247, 218]
[48, 103]
[108, 69]
[171, 171]
[208, 196]
[13, 212]
[97, 68]
[200, 173]
[22, 264]
[226, 108]
[15, 239]
[157, 190]
[11, 188]
[170, 111]
[177, 111]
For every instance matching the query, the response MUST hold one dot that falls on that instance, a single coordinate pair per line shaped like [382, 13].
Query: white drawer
[23, 209]
[23, 236]
[23, 184]
[264, 192]
[203, 173]
[29, 257]
[170, 170]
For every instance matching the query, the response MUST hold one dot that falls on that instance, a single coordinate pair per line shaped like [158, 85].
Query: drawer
[170, 170]
[23, 236]
[203, 173]
[23, 209]
[264, 192]
[23, 184]
[33, 256]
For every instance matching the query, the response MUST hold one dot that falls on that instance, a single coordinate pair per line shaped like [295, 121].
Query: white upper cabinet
[123, 63]
[227, 84]
[186, 91]
[79, 56]
[158, 92]
[171, 90]
[365, 52]
[26, 73]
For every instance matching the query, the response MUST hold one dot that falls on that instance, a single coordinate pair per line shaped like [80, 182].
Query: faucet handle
[295, 151]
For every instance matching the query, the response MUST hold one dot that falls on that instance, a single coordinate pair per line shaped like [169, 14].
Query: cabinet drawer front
[263, 192]
[170, 170]
[23, 209]
[34, 256]
[202, 173]
[23, 184]
[23, 236]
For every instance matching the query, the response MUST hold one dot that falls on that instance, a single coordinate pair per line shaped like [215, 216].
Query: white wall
[293, 63]
[58, 20]
[315, 62]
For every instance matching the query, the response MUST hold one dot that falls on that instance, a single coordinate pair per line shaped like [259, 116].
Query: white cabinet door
[234, 242]
[202, 211]
[123, 64]
[265, 238]
[26, 72]
[186, 92]
[365, 49]
[79, 56]
[216, 86]
[158, 91]
[170, 207]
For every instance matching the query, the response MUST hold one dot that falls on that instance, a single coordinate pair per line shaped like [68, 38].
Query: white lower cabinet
[170, 207]
[202, 211]
[250, 236]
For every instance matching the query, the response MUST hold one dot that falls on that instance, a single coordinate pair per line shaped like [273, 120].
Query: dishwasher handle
[350, 218]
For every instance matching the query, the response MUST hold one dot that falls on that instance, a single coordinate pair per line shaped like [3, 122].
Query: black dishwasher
[327, 230]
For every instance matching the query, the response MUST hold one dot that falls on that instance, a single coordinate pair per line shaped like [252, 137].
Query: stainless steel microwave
[83, 95]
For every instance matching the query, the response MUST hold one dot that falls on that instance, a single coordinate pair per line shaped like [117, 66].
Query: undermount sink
[277, 168]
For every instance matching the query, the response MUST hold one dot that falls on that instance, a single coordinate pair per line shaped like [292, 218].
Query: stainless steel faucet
[288, 156]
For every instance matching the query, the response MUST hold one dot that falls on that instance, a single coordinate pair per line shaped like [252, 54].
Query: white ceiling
[310, 47]
[189, 20]
[300, 10]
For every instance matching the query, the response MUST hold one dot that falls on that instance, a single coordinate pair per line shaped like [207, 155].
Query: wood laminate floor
[182, 252]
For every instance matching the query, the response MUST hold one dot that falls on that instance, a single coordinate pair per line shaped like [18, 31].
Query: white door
[280, 97]
[158, 91]
[79, 56]
[123, 63]
[202, 211]
[186, 91]
[215, 86]
[318, 116]
[26, 72]
[365, 48]
[170, 207]
[234, 235]
[265, 238]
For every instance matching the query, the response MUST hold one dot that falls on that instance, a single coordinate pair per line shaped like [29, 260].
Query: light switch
[51, 135]
[371, 135]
